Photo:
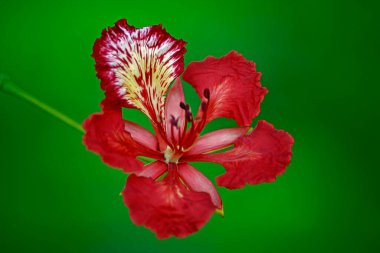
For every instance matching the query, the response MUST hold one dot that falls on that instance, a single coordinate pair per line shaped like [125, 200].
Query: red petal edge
[273, 148]
[258, 157]
[141, 135]
[153, 170]
[215, 140]
[196, 181]
[233, 82]
[105, 135]
[167, 209]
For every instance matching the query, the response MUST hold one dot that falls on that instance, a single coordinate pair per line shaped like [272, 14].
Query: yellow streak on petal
[141, 65]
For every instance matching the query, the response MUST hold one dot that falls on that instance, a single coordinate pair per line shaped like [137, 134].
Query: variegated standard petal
[138, 65]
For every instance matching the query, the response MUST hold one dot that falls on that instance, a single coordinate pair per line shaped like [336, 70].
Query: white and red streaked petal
[141, 135]
[173, 109]
[153, 170]
[233, 84]
[258, 157]
[168, 209]
[217, 140]
[106, 136]
[138, 65]
[196, 181]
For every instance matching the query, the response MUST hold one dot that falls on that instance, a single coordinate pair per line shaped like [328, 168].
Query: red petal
[138, 65]
[233, 82]
[166, 209]
[153, 170]
[175, 97]
[196, 181]
[217, 140]
[106, 136]
[141, 135]
[258, 157]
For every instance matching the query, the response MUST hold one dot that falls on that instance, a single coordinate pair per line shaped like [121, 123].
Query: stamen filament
[183, 132]
[172, 175]
[172, 134]
[179, 135]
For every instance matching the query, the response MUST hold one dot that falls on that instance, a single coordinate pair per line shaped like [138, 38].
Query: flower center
[183, 138]
[171, 156]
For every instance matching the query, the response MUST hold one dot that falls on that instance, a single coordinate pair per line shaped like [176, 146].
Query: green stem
[8, 87]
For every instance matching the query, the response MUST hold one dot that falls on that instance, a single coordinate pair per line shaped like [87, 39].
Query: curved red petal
[153, 170]
[273, 154]
[196, 181]
[141, 135]
[106, 136]
[136, 66]
[167, 209]
[257, 157]
[233, 83]
[217, 140]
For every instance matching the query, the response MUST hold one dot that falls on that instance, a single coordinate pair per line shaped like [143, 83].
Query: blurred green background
[320, 62]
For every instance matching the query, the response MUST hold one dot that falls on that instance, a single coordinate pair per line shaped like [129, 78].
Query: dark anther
[203, 106]
[173, 121]
[189, 116]
[182, 105]
[206, 93]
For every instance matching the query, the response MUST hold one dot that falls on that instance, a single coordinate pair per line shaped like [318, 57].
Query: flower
[169, 196]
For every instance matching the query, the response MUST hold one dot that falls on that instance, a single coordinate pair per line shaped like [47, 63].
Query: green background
[320, 62]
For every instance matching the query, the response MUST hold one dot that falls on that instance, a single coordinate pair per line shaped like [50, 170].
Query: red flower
[169, 196]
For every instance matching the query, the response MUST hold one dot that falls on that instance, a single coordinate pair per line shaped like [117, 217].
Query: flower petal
[175, 97]
[233, 84]
[167, 209]
[141, 135]
[258, 157]
[216, 140]
[106, 136]
[138, 65]
[196, 181]
[153, 170]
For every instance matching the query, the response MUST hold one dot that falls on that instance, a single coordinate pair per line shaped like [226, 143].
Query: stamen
[173, 121]
[204, 106]
[206, 93]
[182, 105]
[195, 129]
[189, 116]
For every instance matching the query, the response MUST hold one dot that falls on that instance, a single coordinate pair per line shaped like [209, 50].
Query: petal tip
[220, 212]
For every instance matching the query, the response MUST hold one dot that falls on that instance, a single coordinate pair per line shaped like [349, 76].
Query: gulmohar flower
[136, 68]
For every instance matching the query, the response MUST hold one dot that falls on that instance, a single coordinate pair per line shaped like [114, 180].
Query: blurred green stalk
[8, 87]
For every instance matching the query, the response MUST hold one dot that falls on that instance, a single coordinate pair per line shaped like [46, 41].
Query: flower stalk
[8, 87]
